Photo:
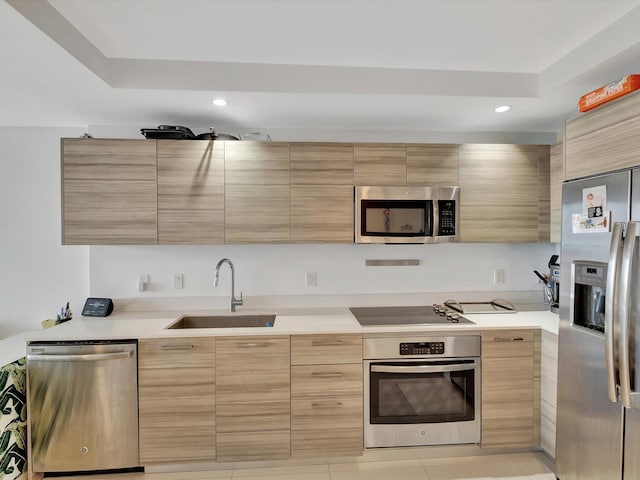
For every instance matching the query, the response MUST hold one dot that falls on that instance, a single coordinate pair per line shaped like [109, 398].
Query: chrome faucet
[234, 301]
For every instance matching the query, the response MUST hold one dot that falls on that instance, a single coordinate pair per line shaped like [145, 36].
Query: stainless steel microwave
[412, 214]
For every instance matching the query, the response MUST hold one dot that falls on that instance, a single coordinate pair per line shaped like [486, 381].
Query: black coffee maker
[554, 283]
[551, 283]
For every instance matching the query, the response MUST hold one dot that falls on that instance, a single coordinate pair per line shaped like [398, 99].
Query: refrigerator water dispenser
[589, 290]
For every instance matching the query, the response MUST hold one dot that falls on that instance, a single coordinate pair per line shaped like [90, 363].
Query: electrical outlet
[498, 276]
[143, 282]
[310, 279]
[178, 280]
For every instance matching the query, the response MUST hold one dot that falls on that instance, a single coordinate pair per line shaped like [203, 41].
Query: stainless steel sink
[223, 321]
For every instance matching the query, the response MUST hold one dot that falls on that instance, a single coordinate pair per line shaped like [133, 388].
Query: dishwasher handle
[89, 357]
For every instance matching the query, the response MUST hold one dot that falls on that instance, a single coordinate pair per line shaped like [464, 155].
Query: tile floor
[520, 466]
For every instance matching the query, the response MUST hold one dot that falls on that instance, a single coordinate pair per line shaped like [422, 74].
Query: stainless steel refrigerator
[598, 423]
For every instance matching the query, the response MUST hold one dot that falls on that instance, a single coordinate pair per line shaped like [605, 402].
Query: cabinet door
[380, 164]
[321, 214]
[190, 192]
[556, 167]
[603, 140]
[510, 388]
[549, 392]
[257, 192]
[177, 400]
[321, 163]
[322, 349]
[321, 192]
[253, 405]
[109, 192]
[499, 192]
[432, 165]
[544, 192]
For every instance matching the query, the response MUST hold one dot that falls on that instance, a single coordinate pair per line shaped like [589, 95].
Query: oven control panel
[422, 348]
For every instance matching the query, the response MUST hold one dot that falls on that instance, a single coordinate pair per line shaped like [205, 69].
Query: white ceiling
[379, 65]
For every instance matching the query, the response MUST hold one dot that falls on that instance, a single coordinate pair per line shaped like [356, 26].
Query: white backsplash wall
[339, 269]
[39, 275]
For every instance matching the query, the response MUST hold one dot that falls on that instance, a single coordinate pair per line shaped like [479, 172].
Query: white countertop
[138, 324]
[330, 320]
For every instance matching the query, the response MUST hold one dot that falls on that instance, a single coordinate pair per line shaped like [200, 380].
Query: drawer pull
[326, 404]
[327, 374]
[327, 343]
[176, 347]
[252, 345]
[508, 339]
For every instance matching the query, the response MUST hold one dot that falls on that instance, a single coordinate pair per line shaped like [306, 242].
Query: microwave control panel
[422, 348]
[447, 220]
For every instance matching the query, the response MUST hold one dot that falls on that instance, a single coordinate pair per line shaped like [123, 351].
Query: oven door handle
[422, 368]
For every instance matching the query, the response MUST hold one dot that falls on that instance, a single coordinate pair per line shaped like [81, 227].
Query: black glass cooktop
[421, 315]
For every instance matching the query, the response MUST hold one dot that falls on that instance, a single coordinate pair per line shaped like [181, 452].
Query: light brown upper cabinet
[109, 192]
[190, 192]
[500, 197]
[604, 139]
[380, 164]
[256, 192]
[321, 192]
[433, 165]
[555, 194]
[544, 192]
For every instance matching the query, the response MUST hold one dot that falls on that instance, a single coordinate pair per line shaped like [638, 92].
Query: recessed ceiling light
[220, 102]
[503, 108]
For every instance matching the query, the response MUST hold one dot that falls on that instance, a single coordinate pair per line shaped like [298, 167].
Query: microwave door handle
[611, 311]
[625, 309]
[422, 368]
[435, 214]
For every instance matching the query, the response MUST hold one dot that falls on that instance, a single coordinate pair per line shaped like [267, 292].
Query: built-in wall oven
[421, 390]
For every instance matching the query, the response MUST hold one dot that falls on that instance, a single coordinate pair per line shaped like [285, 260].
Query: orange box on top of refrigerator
[609, 92]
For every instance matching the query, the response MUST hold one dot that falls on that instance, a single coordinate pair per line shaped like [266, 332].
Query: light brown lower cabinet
[326, 397]
[253, 398]
[548, 392]
[176, 378]
[510, 388]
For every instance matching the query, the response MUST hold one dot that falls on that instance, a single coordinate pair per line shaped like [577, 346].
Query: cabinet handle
[508, 339]
[326, 404]
[326, 343]
[327, 374]
[252, 345]
[176, 347]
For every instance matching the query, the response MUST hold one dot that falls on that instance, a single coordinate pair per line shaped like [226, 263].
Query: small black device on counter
[97, 307]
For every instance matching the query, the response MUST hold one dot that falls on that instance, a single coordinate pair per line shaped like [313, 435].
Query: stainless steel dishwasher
[83, 405]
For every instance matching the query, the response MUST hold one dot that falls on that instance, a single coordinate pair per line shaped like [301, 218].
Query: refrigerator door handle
[624, 307]
[611, 311]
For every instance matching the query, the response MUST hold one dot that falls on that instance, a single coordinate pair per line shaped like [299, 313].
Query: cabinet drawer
[314, 410]
[186, 352]
[326, 426]
[247, 446]
[326, 349]
[508, 343]
[341, 379]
